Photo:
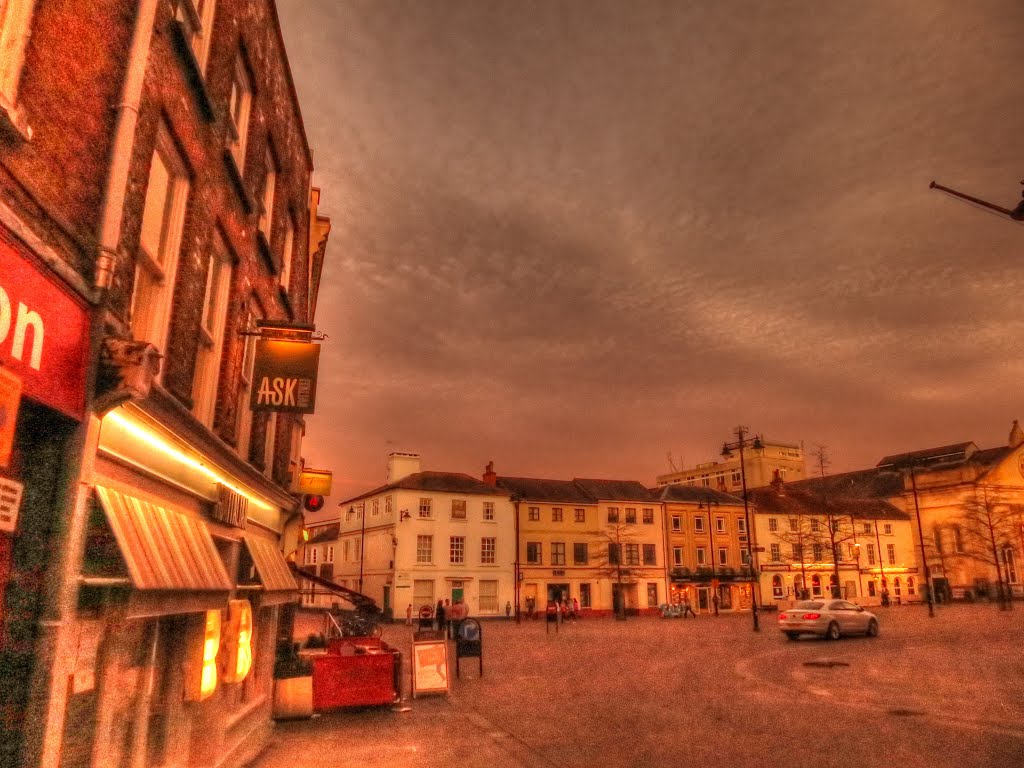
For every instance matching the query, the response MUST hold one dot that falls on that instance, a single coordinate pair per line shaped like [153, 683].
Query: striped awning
[271, 567]
[164, 550]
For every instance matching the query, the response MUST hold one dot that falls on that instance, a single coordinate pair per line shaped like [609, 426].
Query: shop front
[44, 348]
[182, 583]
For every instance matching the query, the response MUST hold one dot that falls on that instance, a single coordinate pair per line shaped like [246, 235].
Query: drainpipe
[58, 630]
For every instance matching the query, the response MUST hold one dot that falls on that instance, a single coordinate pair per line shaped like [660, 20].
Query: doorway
[558, 592]
[703, 599]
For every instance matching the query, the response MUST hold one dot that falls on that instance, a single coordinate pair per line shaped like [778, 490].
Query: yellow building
[761, 462]
[706, 548]
[598, 542]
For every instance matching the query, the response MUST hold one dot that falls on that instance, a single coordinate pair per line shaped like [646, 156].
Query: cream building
[428, 536]
[706, 548]
[761, 463]
[799, 530]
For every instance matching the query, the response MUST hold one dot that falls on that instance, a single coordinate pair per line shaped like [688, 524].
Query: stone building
[762, 461]
[155, 211]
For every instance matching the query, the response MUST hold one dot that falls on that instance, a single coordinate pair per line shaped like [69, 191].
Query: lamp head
[726, 453]
[757, 443]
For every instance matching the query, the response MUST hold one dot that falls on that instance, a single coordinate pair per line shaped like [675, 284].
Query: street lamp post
[741, 442]
[1017, 214]
[362, 543]
[920, 538]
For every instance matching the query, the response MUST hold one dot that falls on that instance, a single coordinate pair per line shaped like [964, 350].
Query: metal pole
[362, 545]
[746, 515]
[920, 538]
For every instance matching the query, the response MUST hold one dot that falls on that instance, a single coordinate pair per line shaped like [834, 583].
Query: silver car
[827, 618]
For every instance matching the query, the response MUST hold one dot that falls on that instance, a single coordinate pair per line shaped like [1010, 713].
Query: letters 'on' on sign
[284, 376]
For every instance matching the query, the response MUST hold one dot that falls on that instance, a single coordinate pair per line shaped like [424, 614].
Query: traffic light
[312, 503]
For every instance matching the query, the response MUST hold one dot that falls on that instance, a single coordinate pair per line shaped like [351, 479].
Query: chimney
[777, 482]
[402, 465]
[1016, 435]
[490, 476]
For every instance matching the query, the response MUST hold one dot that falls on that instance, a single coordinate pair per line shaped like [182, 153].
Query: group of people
[447, 616]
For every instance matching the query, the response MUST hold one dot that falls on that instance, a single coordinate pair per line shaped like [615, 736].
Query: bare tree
[620, 559]
[988, 524]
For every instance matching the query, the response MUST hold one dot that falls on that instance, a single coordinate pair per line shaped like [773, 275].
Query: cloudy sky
[572, 237]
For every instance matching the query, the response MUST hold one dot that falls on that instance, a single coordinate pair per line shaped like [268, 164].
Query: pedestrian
[688, 608]
[408, 615]
[714, 602]
[448, 618]
[508, 609]
[575, 609]
[439, 613]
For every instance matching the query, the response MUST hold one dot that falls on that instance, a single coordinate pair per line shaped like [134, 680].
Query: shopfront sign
[44, 333]
[315, 482]
[284, 376]
[429, 667]
[10, 399]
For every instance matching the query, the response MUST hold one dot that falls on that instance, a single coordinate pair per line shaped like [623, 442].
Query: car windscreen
[813, 605]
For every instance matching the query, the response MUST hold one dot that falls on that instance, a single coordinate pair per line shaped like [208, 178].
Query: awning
[166, 551]
[273, 571]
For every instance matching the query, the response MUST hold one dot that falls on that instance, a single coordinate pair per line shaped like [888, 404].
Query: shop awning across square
[166, 552]
[273, 571]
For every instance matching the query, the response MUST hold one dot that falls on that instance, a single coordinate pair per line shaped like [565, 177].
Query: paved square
[947, 691]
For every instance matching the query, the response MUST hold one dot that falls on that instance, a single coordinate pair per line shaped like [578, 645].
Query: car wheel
[872, 628]
[833, 632]
[792, 635]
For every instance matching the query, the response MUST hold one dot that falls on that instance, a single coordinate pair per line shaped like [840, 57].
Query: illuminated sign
[10, 398]
[237, 651]
[284, 376]
[44, 333]
[315, 482]
[201, 666]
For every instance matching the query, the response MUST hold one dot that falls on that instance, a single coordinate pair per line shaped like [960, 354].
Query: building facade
[706, 549]
[762, 463]
[156, 209]
[427, 536]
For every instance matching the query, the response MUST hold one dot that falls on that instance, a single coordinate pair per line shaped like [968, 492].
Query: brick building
[156, 212]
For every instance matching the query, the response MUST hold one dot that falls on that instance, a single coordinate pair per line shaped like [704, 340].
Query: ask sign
[284, 376]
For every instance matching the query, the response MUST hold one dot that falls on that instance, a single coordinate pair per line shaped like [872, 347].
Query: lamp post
[920, 538]
[711, 536]
[362, 542]
[727, 448]
[1017, 214]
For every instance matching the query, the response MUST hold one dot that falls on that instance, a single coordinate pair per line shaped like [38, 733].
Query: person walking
[447, 626]
[439, 614]
[408, 615]
[688, 608]
[575, 609]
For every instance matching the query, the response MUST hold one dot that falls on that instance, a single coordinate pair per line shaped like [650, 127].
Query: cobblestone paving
[947, 691]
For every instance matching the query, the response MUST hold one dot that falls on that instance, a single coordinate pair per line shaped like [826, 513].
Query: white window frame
[153, 291]
[533, 513]
[556, 514]
[887, 529]
[330, 554]
[677, 556]
[890, 551]
[677, 522]
[776, 552]
[488, 510]
[719, 525]
[15, 30]
[773, 524]
[488, 550]
[287, 254]
[457, 550]
[702, 555]
[424, 549]
[488, 596]
[239, 107]
[426, 510]
[266, 222]
[197, 19]
[580, 515]
[723, 556]
[211, 331]
[245, 381]
[698, 524]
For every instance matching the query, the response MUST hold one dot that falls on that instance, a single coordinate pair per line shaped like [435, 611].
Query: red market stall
[356, 672]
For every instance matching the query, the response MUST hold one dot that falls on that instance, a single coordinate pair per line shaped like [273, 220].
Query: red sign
[44, 333]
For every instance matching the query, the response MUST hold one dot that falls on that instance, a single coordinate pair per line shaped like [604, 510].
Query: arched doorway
[816, 585]
[777, 590]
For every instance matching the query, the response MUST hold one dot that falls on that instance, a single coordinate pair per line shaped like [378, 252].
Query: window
[245, 415]
[580, 554]
[745, 557]
[815, 526]
[424, 549]
[910, 585]
[387, 505]
[702, 556]
[534, 554]
[896, 587]
[937, 535]
[741, 525]
[313, 553]
[632, 554]
[287, 254]
[630, 516]
[422, 594]
[614, 554]
[346, 551]
[797, 551]
[156, 264]
[648, 517]
[267, 204]
[488, 596]
[652, 594]
[871, 553]
[958, 539]
[487, 550]
[556, 515]
[211, 332]
[720, 525]
[698, 524]
[580, 515]
[677, 523]
[816, 553]
[584, 595]
[777, 591]
[613, 514]
[457, 549]
[650, 558]
[816, 585]
[773, 524]
[534, 513]
[890, 551]
[375, 507]
[558, 553]
[458, 509]
[196, 17]
[887, 529]
[357, 548]
[15, 19]
[488, 510]
[867, 528]
[238, 109]
[677, 556]
[426, 508]
[776, 552]
[736, 479]
[723, 556]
